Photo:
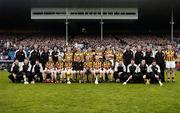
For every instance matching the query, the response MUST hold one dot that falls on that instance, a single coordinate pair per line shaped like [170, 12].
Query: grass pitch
[89, 98]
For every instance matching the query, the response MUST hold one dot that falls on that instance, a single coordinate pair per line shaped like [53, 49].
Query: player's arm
[25, 53]
[175, 55]
[33, 68]
[149, 70]
[138, 69]
[29, 68]
[124, 68]
[12, 67]
[128, 70]
[159, 70]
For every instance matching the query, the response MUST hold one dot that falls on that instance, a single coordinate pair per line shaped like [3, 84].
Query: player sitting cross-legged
[59, 71]
[48, 74]
[107, 70]
[68, 72]
[97, 70]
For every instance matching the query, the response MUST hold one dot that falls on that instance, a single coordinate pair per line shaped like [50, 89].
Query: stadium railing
[5, 64]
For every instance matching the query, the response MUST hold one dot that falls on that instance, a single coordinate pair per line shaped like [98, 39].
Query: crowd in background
[10, 43]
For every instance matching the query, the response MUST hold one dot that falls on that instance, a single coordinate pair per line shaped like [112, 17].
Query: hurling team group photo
[89, 56]
[104, 64]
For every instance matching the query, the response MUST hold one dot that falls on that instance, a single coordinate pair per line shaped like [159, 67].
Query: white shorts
[59, 70]
[49, 70]
[21, 64]
[170, 64]
[97, 71]
[68, 71]
[108, 70]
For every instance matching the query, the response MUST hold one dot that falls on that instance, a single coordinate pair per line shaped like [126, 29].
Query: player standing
[170, 57]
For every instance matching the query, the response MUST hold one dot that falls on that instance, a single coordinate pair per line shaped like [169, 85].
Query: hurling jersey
[49, 65]
[170, 55]
[107, 64]
[79, 56]
[119, 56]
[97, 64]
[89, 56]
[68, 56]
[59, 64]
[68, 65]
[88, 65]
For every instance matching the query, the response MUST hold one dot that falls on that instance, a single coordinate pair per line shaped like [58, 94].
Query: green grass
[89, 98]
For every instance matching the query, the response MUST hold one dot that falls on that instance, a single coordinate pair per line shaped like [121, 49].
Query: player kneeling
[26, 72]
[132, 72]
[143, 71]
[15, 72]
[119, 71]
[48, 74]
[154, 73]
[107, 70]
[37, 71]
[59, 71]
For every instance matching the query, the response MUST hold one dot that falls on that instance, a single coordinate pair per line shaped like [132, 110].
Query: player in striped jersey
[49, 70]
[97, 69]
[68, 72]
[107, 69]
[170, 57]
[88, 64]
[59, 70]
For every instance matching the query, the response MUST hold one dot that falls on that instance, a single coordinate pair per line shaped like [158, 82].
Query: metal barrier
[5, 64]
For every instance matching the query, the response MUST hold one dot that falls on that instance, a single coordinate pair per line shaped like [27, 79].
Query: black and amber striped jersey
[109, 54]
[119, 56]
[99, 54]
[68, 65]
[89, 56]
[79, 56]
[59, 65]
[68, 56]
[107, 64]
[88, 65]
[170, 55]
[50, 65]
[97, 65]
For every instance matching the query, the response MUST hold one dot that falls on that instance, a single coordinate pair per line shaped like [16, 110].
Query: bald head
[20, 48]
[138, 48]
[169, 47]
[35, 46]
[159, 48]
[127, 47]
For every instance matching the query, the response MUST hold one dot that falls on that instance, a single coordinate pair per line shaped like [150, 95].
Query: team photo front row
[98, 71]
